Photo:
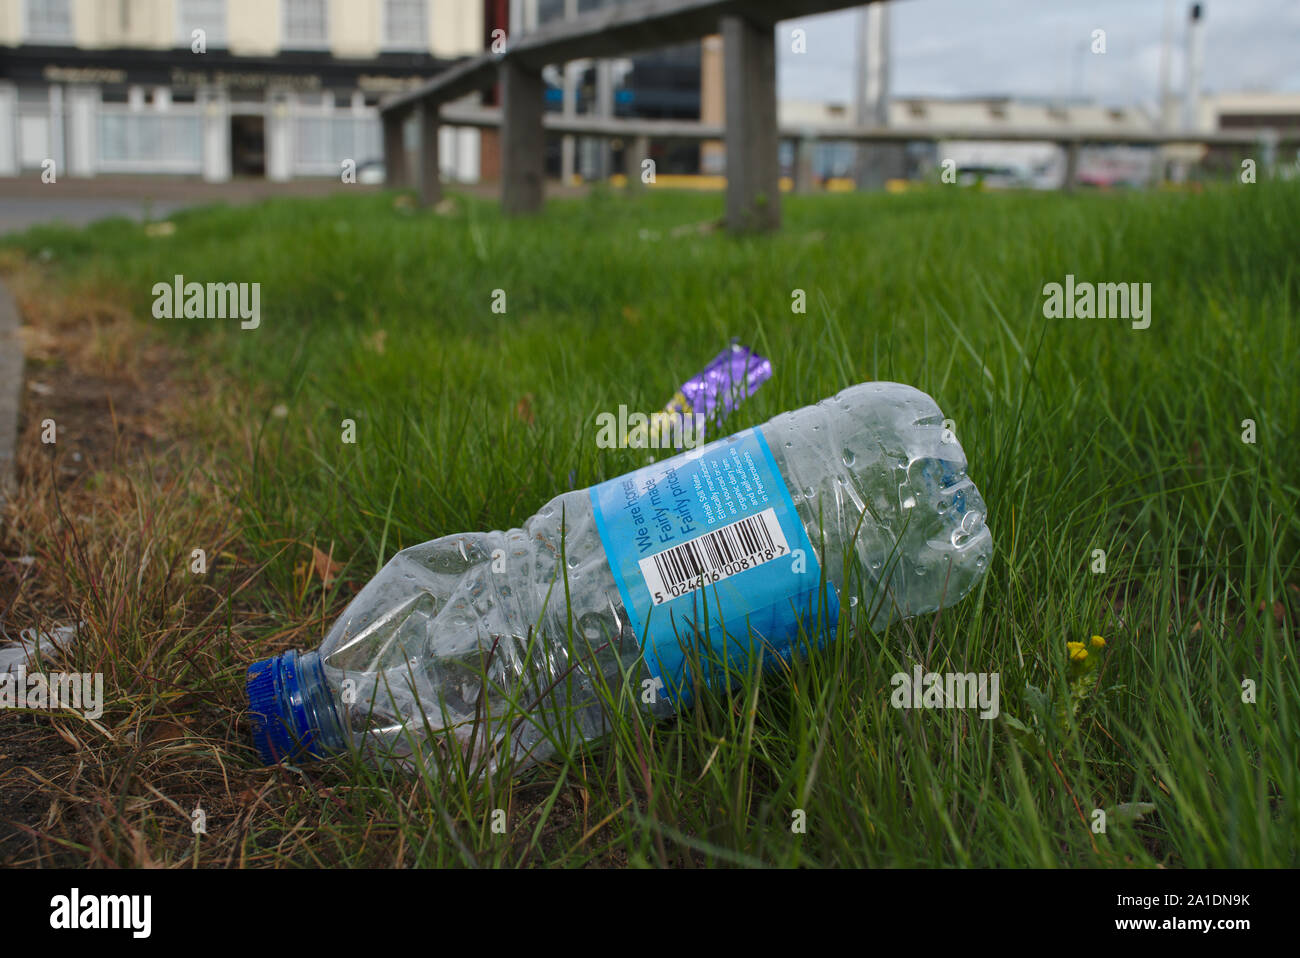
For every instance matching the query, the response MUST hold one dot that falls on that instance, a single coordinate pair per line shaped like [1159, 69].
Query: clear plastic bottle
[877, 482]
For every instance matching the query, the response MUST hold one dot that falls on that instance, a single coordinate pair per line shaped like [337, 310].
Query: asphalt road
[25, 201]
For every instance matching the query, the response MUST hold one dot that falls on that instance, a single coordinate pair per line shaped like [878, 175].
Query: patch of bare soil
[107, 493]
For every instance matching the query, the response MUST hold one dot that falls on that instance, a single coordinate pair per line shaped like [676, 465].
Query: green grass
[1082, 434]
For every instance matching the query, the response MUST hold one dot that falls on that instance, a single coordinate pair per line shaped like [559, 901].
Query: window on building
[306, 23]
[549, 10]
[406, 24]
[206, 15]
[48, 20]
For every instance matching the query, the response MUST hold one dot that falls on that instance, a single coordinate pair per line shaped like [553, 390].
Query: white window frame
[51, 39]
[288, 43]
[216, 39]
[406, 44]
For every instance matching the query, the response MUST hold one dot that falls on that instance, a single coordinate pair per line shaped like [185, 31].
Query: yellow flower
[1074, 647]
[1079, 654]
[1098, 641]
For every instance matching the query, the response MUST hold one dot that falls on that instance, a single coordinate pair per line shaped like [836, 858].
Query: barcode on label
[714, 556]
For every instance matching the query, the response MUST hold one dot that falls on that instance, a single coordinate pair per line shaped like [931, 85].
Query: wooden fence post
[523, 141]
[395, 148]
[430, 174]
[753, 171]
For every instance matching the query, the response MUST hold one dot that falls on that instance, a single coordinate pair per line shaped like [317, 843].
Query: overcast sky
[1041, 48]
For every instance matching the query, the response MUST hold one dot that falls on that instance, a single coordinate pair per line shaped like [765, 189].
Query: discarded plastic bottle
[723, 552]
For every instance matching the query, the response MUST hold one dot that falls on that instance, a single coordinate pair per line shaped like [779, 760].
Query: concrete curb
[11, 389]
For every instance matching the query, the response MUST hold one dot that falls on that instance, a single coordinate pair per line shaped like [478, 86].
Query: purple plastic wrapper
[731, 377]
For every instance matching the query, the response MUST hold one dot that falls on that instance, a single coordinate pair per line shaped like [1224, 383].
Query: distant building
[1249, 110]
[660, 84]
[283, 89]
[1039, 165]
[1276, 112]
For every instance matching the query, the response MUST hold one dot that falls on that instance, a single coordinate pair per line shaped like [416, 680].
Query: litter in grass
[32, 645]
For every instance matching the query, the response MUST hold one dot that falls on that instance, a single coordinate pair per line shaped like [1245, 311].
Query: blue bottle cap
[281, 728]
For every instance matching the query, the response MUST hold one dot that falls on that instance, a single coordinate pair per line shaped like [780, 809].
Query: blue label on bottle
[712, 560]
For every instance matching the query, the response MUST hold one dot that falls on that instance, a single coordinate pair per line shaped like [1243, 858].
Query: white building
[219, 88]
[1034, 164]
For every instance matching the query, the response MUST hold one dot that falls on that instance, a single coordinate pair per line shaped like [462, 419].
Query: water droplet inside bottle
[849, 457]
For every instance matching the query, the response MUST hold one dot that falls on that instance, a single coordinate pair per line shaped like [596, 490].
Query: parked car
[372, 172]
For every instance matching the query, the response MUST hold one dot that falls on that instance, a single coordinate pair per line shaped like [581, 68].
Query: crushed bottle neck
[293, 708]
